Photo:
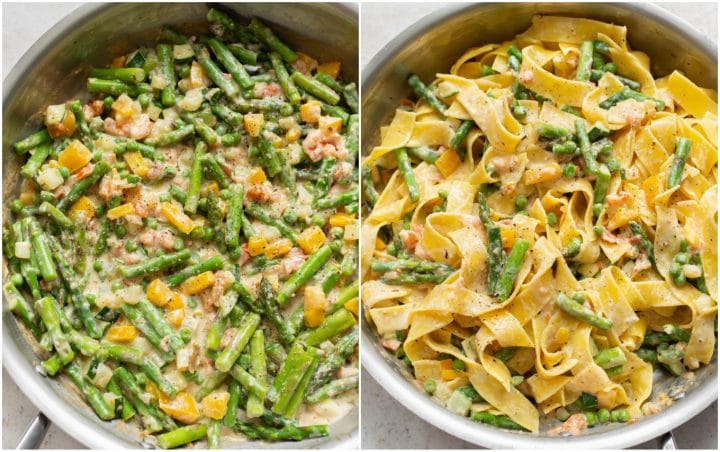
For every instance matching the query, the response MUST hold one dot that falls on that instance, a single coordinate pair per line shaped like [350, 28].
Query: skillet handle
[667, 441]
[34, 433]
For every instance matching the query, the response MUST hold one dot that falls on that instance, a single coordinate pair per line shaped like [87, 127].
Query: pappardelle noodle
[541, 229]
[184, 245]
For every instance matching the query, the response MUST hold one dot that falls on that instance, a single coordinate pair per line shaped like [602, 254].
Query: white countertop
[386, 424]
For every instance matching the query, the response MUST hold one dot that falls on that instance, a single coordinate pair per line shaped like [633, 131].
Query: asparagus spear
[585, 63]
[181, 436]
[405, 169]
[334, 389]
[91, 393]
[501, 421]
[682, 151]
[582, 312]
[496, 255]
[422, 92]
[233, 350]
[255, 405]
[155, 264]
[304, 273]
[267, 37]
[511, 268]
[212, 264]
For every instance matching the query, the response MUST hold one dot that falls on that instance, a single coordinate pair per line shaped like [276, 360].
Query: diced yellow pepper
[75, 156]
[341, 220]
[310, 111]
[256, 245]
[450, 374]
[125, 108]
[182, 407]
[508, 237]
[121, 211]
[257, 176]
[197, 284]
[211, 187]
[352, 306]
[292, 135]
[122, 333]
[177, 217]
[331, 68]
[176, 302]
[314, 304]
[547, 173]
[277, 248]
[158, 293]
[446, 364]
[330, 123]
[311, 239]
[214, 405]
[176, 317]
[448, 162]
[152, 389]
[198, 77]
[254, 123]
[27, 198]
[379, 244]
[83, 205]
[136, 162]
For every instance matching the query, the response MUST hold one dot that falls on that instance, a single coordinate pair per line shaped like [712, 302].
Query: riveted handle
[34, 433]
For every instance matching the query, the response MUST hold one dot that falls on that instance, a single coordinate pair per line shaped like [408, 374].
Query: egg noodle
[607, 263]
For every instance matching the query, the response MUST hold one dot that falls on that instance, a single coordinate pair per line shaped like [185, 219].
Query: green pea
[151, 223]
[521, 201]
[430, 386]
[519, 111]
[120, 230]
[568, 170]
[186, 335]
[16, 206]
[116, 285]
[286, 110]
[318, 220]
[97, 266]
[682, 258]
[144, 100]
[178, 244]
[552, 219]
[579, 297]
[610, 67]
[16, 279]
[131, 245]
[603, 415]
[684, 245]
[590, 418]
[458, 364]
[336, 232]
[597, 230]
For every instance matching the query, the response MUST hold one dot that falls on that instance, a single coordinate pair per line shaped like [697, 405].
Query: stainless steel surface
[54, 69]
[35, 432]
[432, 45]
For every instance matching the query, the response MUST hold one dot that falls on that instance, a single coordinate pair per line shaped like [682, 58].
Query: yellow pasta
[545, 229]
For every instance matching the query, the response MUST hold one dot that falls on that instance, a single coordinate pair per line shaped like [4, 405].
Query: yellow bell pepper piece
[277, 248]
[177, 217]
[176, 302]
[254, 123]
[122, 333]
[121, 211]
[330, 123]
[158, 293]
[75, 156]
[292, 135]
[352, 306]
[152, 389]
[310, 111]
[182, 407]
[508, 237]
[311, 239]
[176, 317]
[214, 405]
[136, 162]
[341, 220]
[314, 304]
[257, 176]
[331, 68]
[198, 283]
[256, 245]
[450, 374]
[83, 205]
[448, 162]
[211, 187]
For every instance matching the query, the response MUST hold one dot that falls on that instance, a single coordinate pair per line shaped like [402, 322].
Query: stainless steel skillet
[432, 45]
[53, 70]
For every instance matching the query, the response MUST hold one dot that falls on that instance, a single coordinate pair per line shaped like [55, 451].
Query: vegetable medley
[184, 244]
